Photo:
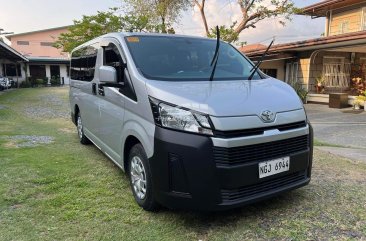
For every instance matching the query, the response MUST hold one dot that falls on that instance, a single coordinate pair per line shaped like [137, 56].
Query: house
[44, 60]
[11, 61]
[336, 58]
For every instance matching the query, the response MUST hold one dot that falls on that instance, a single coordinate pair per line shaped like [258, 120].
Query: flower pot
[357, 107]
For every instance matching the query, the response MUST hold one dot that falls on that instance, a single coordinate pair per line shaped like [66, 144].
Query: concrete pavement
[339, 127]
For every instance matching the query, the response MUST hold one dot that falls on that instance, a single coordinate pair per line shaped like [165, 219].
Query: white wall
[276, 64]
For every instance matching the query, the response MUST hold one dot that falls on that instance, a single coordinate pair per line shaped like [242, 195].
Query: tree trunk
[163, 26]
[203, 15]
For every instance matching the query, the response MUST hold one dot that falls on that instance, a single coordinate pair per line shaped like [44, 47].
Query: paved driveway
[341, 127]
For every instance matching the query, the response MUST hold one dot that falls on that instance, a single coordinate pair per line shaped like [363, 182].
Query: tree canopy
[252, 12]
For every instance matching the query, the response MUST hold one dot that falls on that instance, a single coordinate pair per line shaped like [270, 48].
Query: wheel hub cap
[80, 127]
[138, 177]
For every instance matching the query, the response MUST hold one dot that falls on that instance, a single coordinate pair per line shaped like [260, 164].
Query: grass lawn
[65, 191]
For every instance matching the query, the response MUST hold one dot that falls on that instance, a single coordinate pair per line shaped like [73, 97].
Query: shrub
[55, 81]
[45, 81]
[39, 82]
[25, 84]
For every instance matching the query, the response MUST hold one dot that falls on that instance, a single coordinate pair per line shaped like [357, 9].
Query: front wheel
[140, 178]
[79, 124]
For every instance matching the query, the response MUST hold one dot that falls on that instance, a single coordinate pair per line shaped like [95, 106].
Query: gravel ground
[29, 141]
[51, 107]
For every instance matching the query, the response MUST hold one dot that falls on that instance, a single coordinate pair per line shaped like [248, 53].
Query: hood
[227, 98]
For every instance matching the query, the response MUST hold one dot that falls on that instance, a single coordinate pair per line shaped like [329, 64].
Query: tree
[90, 27]
[162, 13]
[201, 7]
[252, 12]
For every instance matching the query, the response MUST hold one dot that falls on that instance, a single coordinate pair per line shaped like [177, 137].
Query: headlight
[178, 118]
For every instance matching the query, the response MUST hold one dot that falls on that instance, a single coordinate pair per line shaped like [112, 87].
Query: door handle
[101, 90]
[94, 88]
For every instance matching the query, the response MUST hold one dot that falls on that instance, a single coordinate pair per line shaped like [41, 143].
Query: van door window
[83, 63]
[113, 58]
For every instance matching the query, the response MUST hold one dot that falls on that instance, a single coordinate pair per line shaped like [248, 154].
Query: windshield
[184, 59]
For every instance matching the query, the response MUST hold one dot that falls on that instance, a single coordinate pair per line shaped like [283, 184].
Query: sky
[28, 15]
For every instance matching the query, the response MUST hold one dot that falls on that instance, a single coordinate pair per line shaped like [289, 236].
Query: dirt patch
[67, 130]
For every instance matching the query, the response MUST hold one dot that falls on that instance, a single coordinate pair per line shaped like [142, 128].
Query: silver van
[188, 133]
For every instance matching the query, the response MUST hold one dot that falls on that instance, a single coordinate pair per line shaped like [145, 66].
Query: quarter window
[83, 63]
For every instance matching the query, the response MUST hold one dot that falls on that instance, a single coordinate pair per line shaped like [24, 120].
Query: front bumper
[186, 174]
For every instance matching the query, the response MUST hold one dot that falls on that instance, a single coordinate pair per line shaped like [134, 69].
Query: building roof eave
[315, 44]
[13, 52]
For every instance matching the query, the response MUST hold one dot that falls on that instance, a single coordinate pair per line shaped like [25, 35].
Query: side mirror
[107, 74]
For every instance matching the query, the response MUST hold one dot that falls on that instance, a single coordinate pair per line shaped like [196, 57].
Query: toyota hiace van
[189, 133]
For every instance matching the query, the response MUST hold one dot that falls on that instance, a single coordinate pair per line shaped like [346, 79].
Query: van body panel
[227, 98]
[254, 121]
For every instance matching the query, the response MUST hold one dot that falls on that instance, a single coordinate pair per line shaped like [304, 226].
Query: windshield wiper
[216, 55]
[255, 67]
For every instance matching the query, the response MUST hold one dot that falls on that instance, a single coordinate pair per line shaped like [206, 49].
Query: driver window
[112, 57]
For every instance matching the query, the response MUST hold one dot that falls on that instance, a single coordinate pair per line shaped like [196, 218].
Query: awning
[48, 60]
[7, 52]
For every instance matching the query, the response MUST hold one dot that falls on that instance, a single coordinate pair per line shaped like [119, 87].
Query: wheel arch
[135, 133]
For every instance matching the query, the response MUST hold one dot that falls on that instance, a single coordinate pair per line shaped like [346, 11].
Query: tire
[79, 127]
[140, 178]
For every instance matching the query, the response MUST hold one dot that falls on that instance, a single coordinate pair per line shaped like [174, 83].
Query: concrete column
[22, 78]
[48, 73]
[1, 68]
[63, 74]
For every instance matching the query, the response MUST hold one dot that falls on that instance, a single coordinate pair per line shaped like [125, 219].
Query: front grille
[259, 152]
[246, 192]
[258, 131]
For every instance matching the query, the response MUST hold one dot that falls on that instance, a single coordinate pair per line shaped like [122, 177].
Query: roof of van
[126, 34]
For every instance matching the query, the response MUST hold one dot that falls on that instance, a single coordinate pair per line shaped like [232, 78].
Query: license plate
[273, 167]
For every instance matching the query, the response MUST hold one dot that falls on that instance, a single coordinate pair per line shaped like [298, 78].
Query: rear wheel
[79, 124]
[140, 178]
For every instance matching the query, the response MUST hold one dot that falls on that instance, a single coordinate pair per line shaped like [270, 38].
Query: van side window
[113, 58]
[83, 63]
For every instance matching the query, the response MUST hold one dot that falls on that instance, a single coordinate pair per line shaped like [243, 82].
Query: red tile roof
[251, 47]
[317, 43]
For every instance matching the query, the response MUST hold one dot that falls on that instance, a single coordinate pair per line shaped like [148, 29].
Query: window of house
[12, 70]
[22, 42]
[344, 27]
[363, 19]
[336, 71]
[270, 72]
[47, 44]
[292, 73]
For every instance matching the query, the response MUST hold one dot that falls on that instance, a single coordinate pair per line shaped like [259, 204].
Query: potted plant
[320, 84]
[357, 103]
[362, 99]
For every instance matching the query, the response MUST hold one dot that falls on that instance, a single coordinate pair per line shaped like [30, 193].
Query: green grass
[66, 191]
[320, 143]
